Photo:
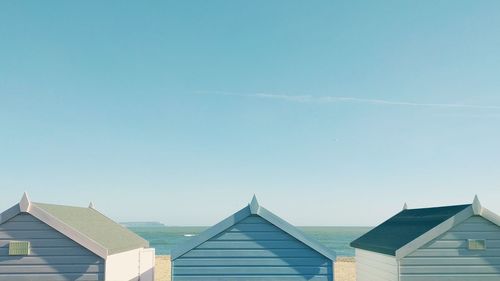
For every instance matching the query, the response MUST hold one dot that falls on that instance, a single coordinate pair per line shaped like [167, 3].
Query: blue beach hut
[450, 243]
[252, 244]
[46, 242]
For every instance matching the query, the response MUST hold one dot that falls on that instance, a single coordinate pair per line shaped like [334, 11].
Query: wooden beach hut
[252, 244]
[46, 242]
[453, 243]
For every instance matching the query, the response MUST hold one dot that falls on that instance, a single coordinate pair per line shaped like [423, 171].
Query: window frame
[19, 251]
[473, 243]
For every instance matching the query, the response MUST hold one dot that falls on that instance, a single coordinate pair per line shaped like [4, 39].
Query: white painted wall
[372, 266]
[147, 264]
[134, 265]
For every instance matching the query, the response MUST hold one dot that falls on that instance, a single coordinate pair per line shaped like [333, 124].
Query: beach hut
[459, 243]
[252, 244]
[46, 242]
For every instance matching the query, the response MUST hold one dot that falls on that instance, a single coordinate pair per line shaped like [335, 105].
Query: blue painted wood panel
[253, 250]
[53, 257]
[448, 258]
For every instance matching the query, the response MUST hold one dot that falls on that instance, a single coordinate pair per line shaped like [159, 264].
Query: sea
[337, 238]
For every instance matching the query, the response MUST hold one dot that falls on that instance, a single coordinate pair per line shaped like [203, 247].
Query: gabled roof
[412, 228]
[86, 226]
[403, 228]
[252, 209]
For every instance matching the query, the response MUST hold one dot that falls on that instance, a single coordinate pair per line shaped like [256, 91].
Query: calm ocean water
[334, 237]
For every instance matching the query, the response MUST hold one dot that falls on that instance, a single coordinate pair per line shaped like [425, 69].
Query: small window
[19, 248]
[477, 244]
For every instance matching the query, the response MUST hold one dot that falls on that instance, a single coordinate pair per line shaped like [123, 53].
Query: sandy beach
[345, 269]
[162, 268]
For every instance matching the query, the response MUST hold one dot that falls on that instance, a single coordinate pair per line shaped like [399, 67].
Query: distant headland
[142, 224]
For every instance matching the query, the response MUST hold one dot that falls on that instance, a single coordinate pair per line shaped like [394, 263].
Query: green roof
[99, 228]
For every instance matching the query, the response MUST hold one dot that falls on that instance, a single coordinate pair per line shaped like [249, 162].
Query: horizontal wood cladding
[54, 277]
[29, 234]
[45, 242]
[266, 253]
[256, 270]
[250, 244]
[372, 266]
[451, 269]
[253, 235]
[252, 249]
[452, 277]
[31, 260]
[447, 257]
[254, 278]
[53, 256]
[61, 268]
[319, 262]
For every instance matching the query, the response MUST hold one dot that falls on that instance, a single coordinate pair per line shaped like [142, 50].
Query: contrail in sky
[344, 99]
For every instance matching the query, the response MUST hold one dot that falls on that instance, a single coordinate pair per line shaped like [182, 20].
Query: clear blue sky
[332, 112]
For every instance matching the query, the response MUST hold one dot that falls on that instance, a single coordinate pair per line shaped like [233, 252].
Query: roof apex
[91, 205]
[476, 206]
[398, 235]
[405, 206]
[254, 205]
[251, 209]
[25, 203]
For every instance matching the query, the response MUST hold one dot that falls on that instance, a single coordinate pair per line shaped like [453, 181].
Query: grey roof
[97, 227]
[404, 227]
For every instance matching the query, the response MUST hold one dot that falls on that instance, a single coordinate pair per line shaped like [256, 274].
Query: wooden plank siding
[447, 257]
[371, 266]
[53, 257]
[252, 249]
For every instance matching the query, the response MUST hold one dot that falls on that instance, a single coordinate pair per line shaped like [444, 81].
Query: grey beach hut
[46, 242]
[252, 244]
[452, 243]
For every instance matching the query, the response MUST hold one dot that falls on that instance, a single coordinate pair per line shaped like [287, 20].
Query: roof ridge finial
[25, 203]
[254, 205]
[91, 205]
[476, 206]
[405, 206]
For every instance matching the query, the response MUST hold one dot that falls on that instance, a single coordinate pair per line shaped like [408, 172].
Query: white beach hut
[46, 242]
[452, 243]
